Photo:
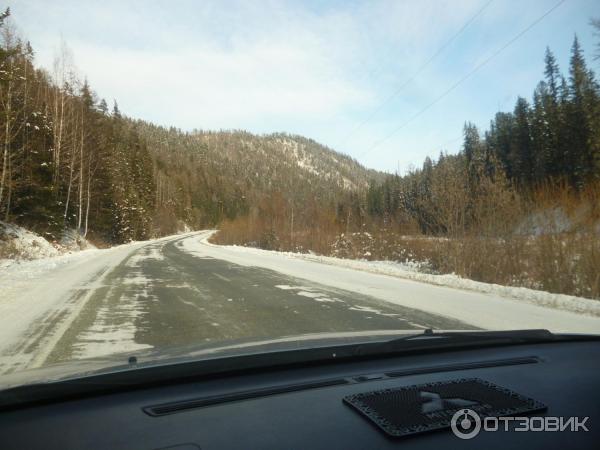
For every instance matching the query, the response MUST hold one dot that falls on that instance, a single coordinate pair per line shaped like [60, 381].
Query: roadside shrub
[546, 239]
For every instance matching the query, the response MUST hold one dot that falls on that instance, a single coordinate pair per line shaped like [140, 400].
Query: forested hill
[207, 176]
[69, 161]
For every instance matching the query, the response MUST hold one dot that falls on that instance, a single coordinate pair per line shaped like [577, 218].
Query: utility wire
[414, 75]
[463, 79]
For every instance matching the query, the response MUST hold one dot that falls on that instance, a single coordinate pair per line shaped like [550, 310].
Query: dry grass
[8, 250]
[548, 239]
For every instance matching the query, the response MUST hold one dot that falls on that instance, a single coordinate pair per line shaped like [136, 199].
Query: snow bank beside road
[479, 304]
[18, 243]
[34, 294]
[411, 272]
[541, 298]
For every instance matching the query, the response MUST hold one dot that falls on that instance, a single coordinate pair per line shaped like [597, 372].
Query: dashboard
[301, 408]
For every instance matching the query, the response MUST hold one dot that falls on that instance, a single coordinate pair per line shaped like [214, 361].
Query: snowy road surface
[181, 290]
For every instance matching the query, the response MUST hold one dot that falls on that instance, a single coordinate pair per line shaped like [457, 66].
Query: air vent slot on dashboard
[464, 366]
[200, 402]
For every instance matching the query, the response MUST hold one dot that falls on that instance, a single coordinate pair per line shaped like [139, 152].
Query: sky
[350, 74]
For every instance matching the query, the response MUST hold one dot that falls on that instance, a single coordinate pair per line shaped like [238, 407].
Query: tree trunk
[80, 191]
[88, 195]
[9, 197]
[58, 137]
[70, 185]
[7, 113]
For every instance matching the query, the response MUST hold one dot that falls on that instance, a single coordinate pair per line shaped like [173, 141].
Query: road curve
[160, 296]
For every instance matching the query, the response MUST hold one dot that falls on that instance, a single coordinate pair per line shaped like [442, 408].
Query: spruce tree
[579, 114]
[521, 153]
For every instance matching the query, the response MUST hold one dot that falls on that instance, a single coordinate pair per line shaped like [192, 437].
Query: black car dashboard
[301, 408]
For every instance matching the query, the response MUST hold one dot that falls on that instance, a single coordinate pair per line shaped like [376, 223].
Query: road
[181, 290]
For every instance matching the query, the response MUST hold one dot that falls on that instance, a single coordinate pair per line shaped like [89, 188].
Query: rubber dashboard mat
[427, 407]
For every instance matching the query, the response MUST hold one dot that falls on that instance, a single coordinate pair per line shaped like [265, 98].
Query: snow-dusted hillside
[309, 156]
[262, 163]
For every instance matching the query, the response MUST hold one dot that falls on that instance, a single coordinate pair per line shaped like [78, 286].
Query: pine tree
[582, 96]
[595, 23]
[474, 157]
[540, 133]
[549, 123]
[116, 112]
[552, 74]
[521, 152]
[498, 140]
[103, 107]
[472, 144]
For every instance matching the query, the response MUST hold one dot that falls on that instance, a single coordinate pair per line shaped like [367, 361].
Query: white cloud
[311, 68]
[235, 64]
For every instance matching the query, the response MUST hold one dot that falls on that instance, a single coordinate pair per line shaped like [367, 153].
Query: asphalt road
[161, 296]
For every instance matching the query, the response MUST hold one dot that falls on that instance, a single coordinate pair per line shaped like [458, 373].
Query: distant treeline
[553, 139]
[69, 161]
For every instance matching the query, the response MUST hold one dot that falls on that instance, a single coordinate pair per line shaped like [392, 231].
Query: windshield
[175, 179]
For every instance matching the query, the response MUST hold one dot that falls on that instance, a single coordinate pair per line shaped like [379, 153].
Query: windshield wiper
[429, 339]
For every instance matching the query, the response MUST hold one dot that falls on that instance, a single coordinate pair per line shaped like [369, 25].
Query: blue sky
[314, 68]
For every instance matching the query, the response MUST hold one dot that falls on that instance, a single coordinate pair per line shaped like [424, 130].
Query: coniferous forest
[519, 204]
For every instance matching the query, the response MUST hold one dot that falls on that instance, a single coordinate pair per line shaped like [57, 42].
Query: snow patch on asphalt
[114, 327]
[313, 295]
[139, 279]
[310, 292]
[372, 310]
[112, 332]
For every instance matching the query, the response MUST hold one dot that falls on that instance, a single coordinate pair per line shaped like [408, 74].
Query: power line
[414, 75]
[448, 142]
[439, 148]
[463, 79]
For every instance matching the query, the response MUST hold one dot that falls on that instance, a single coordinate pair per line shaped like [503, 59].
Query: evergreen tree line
[65, 161]
[68, 161]
[553, 139]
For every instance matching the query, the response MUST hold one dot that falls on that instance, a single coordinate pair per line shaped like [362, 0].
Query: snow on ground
[36, 294]
[37, 303]
[309, 292]
[17, 242]
[71, 240]
[483, 305]
[411, 271]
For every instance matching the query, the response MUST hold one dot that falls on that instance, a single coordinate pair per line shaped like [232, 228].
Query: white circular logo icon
[465, 424]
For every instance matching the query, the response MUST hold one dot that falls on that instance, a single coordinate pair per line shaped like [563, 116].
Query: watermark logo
[466, 424]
